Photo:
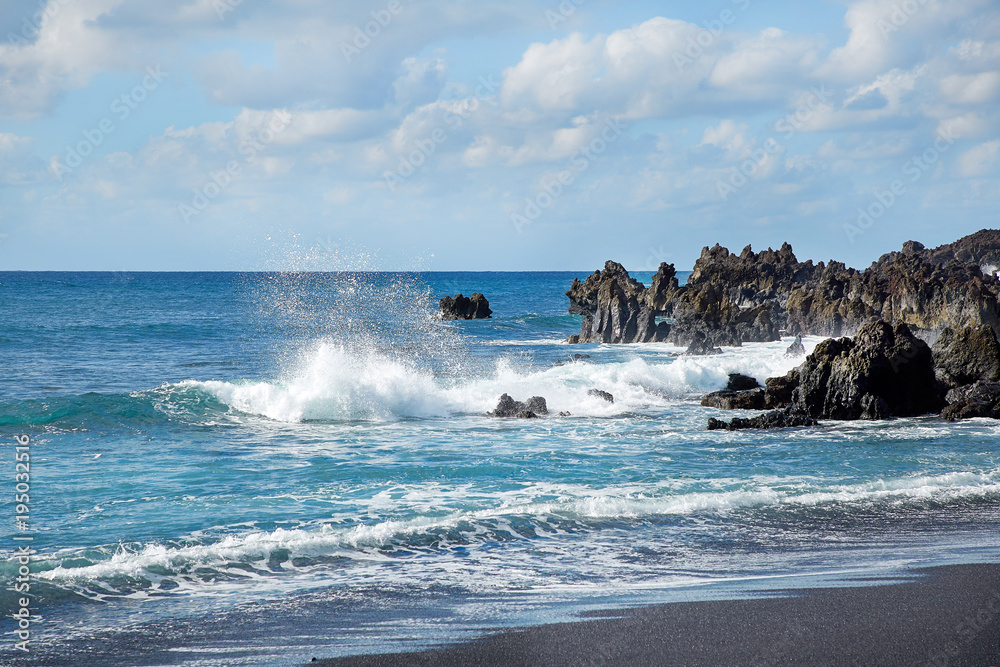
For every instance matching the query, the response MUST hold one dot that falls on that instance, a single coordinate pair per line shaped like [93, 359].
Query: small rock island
[460, 307]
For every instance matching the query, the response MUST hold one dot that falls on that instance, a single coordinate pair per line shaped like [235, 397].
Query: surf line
[23, 552]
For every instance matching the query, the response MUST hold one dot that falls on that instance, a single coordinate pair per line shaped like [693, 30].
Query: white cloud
[67, 52]
[652, 70]
[979, 160]
[728, 135]
[766, 65]
[692, 114]
[421, 81]
[971, 88]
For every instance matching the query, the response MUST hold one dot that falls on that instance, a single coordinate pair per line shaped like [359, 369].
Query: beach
[943, 616]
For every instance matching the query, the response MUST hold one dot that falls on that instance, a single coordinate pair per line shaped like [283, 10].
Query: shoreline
[944, 616]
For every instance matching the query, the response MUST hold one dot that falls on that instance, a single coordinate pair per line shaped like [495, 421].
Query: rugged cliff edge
[730, 299]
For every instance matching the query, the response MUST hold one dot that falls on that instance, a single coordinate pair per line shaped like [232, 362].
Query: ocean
[261, 468]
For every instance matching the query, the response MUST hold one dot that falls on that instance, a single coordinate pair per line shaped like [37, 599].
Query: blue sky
[514, 135]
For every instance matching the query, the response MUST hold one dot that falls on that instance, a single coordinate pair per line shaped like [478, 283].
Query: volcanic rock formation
[730, 299]
[464, 308]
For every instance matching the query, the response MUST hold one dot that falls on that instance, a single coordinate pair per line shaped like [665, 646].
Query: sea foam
[332, 383]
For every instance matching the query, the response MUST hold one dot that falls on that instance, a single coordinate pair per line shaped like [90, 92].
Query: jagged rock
[730, 299]
[774, 419]
[613, 307]
[740, 382]
[925, 289]
[742, 392]
[601, 394]
[884, 371]
[796, 349]
[967, 355]
[460, 307]
[752, 399]
[778, 391]
[983, 391]
[981, 399]
[577, 357]
[508, 407]
[537, 405]
[970, 410]
[982, 248]
[701, 346]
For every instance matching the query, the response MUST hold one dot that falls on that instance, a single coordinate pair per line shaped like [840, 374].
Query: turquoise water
[259, 468]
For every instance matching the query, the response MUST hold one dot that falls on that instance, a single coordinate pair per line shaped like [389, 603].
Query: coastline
[942, 616]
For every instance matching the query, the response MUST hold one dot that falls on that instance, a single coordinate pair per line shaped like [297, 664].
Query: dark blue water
[258, 468]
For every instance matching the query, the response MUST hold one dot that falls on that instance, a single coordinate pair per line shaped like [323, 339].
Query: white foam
[543, 504]
[332, 383]
[336, 384]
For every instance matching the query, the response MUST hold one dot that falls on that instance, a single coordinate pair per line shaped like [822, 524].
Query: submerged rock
[773, 419]
[796, 349]
[508, 407]
[701, 346]
[459, 307]
[601, 394]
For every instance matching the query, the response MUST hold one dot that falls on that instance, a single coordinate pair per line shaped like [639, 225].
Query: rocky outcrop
[796, 349]
[701, 346]
[614, 309]
[730, 299]
[980, 399]
[601, 394]
[460, 307]
[967, 362]
[742, 392]
[735, 400]
[779, 392]
[740, 382]
[508, 407]
[982, 248]
[884, 371]
[774, 419]
[968, 355]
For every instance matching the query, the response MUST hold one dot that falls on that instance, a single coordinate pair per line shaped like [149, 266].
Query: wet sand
[946, 616]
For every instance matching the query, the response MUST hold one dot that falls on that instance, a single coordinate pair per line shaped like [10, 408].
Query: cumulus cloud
[887, 34]
[695, 104]
[980, 160]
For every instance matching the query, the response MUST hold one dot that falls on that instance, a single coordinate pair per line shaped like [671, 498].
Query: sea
[263, 468]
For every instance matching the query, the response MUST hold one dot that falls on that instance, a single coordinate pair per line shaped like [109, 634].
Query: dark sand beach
[943, 616]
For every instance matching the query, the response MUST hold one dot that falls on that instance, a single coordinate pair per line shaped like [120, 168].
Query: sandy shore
[948, 616]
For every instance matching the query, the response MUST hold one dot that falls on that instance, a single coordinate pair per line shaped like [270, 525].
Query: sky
[490, 135]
